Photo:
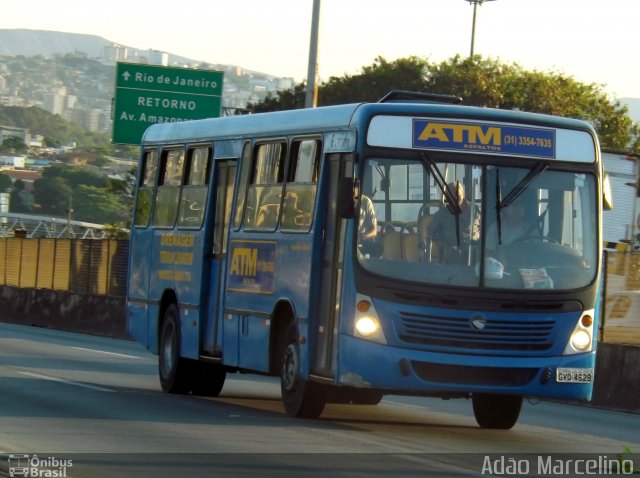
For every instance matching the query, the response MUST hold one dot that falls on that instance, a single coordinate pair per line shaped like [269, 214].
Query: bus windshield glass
[444, 222]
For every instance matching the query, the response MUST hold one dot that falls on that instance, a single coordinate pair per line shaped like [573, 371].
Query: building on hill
[13, 132]
[13, 161]
[25, 175]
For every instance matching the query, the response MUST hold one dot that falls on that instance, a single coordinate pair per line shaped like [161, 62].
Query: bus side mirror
[348, 197]
[607, 195]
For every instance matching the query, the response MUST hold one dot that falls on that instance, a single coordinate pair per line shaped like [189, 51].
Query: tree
[57, 131]
[5, 182]
[95, 198]
[490, 83]
[480, 82]
[53, 195]
[375, 81]
[13, 145]
[97, 205]
[20, 199]
[370, 85]
[76, 176]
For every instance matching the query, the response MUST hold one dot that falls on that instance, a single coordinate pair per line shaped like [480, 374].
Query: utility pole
[311, 97]
[473, 24]
[69, 215]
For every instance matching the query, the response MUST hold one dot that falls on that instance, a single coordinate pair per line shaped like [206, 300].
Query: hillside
[72, 75]
[46, 43]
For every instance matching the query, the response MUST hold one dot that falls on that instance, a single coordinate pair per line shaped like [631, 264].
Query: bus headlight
[581, 339]
[366, 324]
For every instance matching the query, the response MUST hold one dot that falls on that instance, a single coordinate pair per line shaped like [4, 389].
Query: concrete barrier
[87, 314]
[616, 385]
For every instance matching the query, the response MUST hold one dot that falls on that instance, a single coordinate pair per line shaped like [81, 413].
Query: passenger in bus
[368, 229]
[449, 232]
[367, 221]
[515, 225]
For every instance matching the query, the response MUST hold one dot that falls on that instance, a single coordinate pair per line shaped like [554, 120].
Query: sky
[593, 41]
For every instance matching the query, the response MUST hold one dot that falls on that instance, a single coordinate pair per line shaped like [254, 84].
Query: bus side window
[168, 194]
[145, 190]
[242, 186]
[265, 189]
[300, 189]
[194, 191]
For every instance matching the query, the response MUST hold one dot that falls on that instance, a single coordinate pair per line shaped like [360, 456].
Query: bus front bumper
[400, 371]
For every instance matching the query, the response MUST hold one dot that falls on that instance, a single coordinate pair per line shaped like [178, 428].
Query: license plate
[574, 375]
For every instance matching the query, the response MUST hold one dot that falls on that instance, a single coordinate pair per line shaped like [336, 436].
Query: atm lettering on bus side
[244, 262]
[461, 133]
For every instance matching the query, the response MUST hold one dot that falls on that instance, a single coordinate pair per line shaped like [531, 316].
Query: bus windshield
[440, 221]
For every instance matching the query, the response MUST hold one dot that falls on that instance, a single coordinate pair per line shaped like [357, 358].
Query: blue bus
[412, 246]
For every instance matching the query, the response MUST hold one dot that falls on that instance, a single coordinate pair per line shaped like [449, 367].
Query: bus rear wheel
[301, 398]
[174, 370]
[496, 411]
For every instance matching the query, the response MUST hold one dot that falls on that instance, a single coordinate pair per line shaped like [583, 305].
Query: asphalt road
[91, 406]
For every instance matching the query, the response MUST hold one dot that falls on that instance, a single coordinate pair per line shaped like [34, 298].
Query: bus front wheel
[173, 369]
[208, 379]
[496, 411]
[301, 398]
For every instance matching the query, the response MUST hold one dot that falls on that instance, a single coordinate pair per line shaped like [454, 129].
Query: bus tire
[301, 398]
[208, 379]
[174, 371]
[496, 411]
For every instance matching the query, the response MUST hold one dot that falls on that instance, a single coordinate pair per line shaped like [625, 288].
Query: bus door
[328, 299]
[225, 174]
[140, 247]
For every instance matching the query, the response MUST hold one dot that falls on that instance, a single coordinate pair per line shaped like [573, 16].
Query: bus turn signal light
[363, 306]
[587, 321]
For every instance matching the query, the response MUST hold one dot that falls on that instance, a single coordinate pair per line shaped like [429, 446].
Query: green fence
[83, 266]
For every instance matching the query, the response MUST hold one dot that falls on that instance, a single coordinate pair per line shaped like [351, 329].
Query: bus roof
[314, 120]
[278, 122]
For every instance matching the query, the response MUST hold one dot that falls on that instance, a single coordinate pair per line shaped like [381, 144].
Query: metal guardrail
[29, 225]
[72, 265]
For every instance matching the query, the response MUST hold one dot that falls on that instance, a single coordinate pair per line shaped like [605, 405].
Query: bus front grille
[501, 376]
[496, 333]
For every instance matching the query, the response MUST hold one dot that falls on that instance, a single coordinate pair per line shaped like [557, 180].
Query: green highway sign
[148, 94]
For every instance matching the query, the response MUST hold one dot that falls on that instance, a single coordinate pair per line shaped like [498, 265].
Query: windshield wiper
[514, 193]
[453, 200]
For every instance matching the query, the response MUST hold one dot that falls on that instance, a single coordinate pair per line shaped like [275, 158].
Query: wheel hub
[290, 368]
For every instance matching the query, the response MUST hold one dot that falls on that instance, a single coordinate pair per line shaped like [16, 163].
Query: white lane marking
[67, 382]
[109, 353]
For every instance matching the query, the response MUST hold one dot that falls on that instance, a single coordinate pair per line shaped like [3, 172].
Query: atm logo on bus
[252, 266]
[244, 262]
[483, 138]
[461, 133]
